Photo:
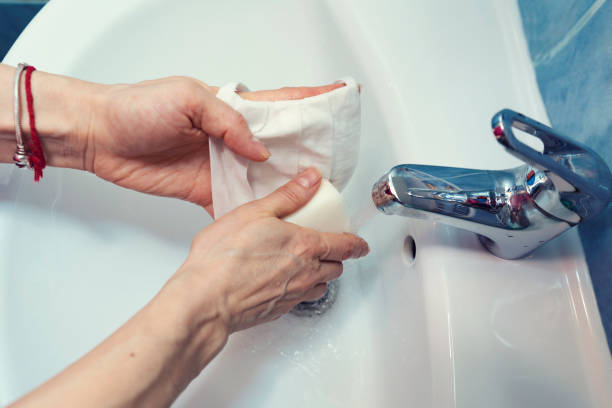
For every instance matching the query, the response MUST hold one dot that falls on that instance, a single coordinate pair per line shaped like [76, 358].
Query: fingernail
[364, 250]
[261, 148]
[308, 177]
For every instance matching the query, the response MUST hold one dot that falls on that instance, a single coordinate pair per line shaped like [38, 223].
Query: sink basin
[442, 323]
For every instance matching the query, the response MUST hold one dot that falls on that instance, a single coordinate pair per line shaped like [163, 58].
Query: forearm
[63, 108]
[147, 362]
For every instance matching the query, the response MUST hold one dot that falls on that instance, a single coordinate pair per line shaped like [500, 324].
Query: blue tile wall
[14, 16]
[570, 43]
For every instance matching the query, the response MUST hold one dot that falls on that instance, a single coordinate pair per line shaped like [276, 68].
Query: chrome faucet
[513, 211]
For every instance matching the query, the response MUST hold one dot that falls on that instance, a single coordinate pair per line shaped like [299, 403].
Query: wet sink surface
[456, 327]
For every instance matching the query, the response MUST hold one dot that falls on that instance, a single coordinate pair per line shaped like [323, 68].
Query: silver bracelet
[20, 158]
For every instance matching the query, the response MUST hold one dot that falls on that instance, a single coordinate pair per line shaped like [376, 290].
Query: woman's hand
[247, 268]
[153, 136]
[256, 266]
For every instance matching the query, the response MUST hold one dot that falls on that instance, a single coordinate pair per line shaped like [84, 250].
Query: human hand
[152, 136]
[250, 267]
[246, 268]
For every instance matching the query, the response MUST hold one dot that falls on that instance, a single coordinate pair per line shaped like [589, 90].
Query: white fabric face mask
[320, 131]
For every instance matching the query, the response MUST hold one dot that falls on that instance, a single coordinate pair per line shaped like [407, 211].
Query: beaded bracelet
[20, 158]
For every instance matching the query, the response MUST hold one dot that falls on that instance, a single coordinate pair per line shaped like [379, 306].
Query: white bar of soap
[324, 212]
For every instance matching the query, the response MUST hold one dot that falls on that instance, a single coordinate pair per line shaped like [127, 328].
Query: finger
[339, 247]
[292, 196]
[290, 93]
[219, 120]
[329, 271]
[315, 293]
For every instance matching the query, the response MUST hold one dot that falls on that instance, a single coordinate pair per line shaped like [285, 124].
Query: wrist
[63, 107]
[192, 320]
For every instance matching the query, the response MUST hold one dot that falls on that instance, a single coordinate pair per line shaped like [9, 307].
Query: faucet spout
[492, 204]
[513, 211]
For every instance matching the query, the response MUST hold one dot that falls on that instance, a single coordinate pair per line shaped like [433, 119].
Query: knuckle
[189, 91]
[305, 245]
[302, 286]
[257, 206]
[185, 82]
[338, 270]
[180, 78]
[312, 238]
[258, 209]
[347, 251]
[300, 249]
[235, 119]
[290, 194]
[326, 248]
[189, 85]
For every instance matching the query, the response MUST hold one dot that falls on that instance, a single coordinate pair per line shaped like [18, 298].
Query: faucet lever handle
[580, 175]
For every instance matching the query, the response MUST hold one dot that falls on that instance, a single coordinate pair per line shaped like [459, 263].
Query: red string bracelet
[36, 157]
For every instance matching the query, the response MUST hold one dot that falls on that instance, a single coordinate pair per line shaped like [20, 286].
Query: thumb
[217, 119]
[292, 196]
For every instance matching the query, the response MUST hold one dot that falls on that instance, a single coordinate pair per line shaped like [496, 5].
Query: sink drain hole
[319, 306]
[409, 249]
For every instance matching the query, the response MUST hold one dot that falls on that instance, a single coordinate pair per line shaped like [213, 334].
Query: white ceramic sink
[457, 327]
